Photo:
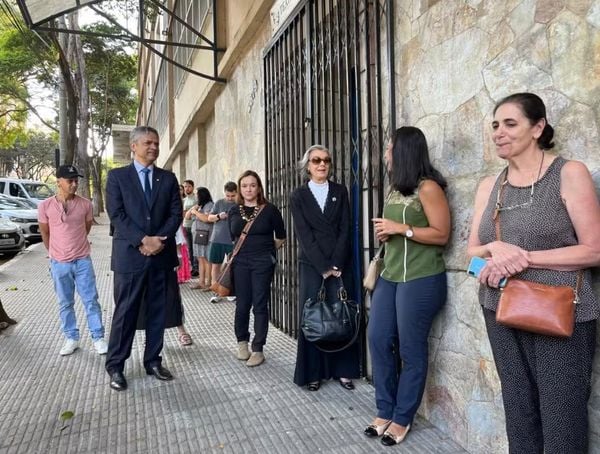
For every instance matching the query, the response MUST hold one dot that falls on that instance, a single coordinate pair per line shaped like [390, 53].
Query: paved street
[215, 405]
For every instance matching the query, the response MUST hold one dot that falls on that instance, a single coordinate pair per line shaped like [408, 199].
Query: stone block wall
[454, 60]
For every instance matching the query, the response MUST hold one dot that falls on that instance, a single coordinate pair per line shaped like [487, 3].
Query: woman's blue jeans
[399, 323]
[78, 274]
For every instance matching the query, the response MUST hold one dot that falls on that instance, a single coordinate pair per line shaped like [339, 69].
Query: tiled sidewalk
[215, 405]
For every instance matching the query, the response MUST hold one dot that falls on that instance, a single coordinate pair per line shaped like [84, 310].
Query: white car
[12, 240]
[36, 191]
[23, 215]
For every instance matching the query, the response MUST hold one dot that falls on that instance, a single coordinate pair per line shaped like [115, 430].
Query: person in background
[548, 215]
[199, 213]
[184, 270]
[189, 201]
[65, 221]
[411, 290]
[254, 265]
[321, 214]
[220, 240]
[145, 209]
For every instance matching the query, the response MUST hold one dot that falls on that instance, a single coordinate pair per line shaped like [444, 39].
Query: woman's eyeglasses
[316, 161]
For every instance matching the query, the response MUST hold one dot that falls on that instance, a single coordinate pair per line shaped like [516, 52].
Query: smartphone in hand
[475, 267]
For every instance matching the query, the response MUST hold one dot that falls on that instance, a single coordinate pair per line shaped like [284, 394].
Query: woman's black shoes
[389, 439]
[314, 386]
[347, 385]
[375, 430]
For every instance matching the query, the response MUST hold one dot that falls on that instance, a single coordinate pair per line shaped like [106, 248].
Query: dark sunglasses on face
[317, 161]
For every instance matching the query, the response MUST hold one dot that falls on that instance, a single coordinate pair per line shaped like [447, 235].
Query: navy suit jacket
[324, 236]
[133, 219]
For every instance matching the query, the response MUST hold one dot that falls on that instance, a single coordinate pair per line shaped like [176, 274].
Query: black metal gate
[327, 80]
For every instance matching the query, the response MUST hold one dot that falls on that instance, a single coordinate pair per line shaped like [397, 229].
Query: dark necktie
[147, 188]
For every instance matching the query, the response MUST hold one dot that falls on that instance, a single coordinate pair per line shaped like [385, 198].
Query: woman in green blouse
[412, 288]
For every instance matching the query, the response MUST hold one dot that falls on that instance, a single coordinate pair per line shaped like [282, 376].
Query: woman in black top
[321, 215]
[254, 264]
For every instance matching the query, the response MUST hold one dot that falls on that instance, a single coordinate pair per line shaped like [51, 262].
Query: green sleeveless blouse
[405, 259]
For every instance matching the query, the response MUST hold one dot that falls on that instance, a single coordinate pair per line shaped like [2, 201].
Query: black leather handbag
[331, 325]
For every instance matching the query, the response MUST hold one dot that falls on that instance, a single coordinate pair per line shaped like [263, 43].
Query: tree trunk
[83, 159]
[72, 103]
[96, 175]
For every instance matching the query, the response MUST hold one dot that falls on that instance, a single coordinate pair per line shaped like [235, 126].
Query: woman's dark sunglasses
[316, 161]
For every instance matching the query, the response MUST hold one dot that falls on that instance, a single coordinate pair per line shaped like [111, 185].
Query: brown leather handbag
[535, 307]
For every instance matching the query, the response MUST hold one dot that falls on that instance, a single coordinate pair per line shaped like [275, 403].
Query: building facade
[344, 73]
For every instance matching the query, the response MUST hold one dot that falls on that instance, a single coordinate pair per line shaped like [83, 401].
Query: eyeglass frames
[500, 207]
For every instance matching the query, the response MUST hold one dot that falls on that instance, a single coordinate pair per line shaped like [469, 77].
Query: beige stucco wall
[453, 61]
[234, 131]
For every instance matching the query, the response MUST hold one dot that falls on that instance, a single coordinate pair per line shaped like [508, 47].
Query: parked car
[36, 191]
[26, 202]
[21, 214]
[12, 240]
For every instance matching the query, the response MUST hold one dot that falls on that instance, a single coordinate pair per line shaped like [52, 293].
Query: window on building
[158, 113]
[194, 13]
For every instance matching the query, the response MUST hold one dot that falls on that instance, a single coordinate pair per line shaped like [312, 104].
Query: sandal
[197, 286]
[185, 339]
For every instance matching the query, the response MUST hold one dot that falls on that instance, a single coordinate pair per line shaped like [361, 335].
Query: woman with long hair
[412, 287]
[254, 264]
[202, 229]
[321, 214]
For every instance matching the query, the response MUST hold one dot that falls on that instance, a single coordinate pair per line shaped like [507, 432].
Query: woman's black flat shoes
[314, 386]
[347, 385]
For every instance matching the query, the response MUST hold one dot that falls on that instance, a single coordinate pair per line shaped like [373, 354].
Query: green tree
[30, 156]
[112, 74]
[24, 60]
[99, 76]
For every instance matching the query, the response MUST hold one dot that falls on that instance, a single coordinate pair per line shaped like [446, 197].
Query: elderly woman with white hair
[321, 214]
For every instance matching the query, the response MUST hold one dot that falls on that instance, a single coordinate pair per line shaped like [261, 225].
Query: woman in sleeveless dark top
[549, 216]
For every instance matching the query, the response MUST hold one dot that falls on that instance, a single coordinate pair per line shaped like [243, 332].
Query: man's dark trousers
[129, 290]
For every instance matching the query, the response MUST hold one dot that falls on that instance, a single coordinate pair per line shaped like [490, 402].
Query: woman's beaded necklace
[247, 217]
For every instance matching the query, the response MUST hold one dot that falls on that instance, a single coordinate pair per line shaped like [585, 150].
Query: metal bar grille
[323, 84]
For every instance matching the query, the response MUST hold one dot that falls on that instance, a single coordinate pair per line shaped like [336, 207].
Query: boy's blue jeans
[68, 276]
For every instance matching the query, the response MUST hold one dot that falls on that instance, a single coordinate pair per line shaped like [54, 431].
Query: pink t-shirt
[68, 234]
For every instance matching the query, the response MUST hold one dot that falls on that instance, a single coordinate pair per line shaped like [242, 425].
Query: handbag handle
[496, 218]
[343, 296]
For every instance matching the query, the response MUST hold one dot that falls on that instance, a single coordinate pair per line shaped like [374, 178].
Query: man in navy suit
[145, 209]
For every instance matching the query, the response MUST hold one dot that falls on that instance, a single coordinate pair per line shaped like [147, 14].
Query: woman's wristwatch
[409, 232]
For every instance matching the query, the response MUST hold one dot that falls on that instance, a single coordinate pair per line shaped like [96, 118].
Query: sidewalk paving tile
[215, 404]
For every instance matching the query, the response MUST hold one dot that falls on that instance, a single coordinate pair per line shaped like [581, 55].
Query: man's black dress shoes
[117, 381]
[162, 373]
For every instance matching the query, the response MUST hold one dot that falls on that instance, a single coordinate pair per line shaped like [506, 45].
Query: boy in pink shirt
[65, 221]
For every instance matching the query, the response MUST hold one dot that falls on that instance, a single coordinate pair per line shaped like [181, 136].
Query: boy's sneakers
[101, 346]
[215, 299]
[69, 347]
